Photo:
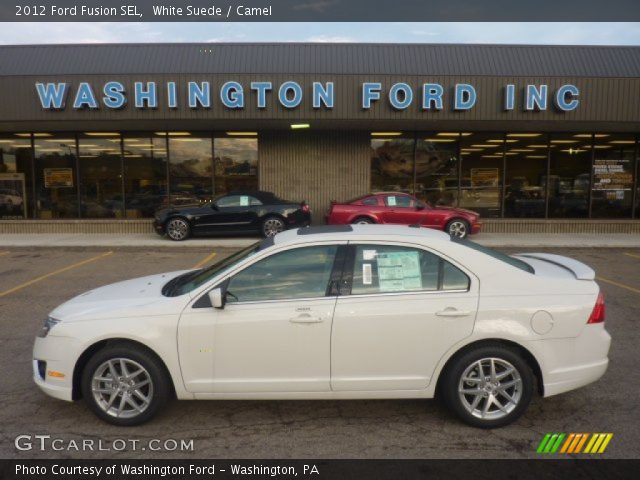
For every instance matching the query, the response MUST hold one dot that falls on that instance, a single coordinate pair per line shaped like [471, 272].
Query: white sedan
[341, 312]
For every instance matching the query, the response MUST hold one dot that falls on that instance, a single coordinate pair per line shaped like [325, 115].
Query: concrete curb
[542, 240]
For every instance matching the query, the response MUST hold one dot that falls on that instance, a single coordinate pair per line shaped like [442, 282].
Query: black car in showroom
[235, 213]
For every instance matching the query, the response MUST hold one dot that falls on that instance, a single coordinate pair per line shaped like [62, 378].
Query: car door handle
[453, 312]
[306, 318]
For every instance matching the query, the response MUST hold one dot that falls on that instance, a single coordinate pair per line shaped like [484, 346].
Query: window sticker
[244, 201]
[391, 201]
[367, 278]
[399, 271]
[368, 255]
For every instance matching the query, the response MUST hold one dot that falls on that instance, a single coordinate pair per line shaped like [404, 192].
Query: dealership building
[518, 133]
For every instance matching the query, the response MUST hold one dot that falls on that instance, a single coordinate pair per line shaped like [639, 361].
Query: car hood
[458, 210]
[122, 299]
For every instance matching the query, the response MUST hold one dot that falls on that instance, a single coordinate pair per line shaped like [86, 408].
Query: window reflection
[190, 169]
[392, 164]
[613, 171]
[145, 175]
[100, 165]
[15, 177]
[526, 157]
[437, 168]
[236, 164]
[56, 182]
[482, 161]
[569, 176]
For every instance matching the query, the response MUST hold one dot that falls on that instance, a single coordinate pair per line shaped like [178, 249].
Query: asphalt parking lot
[34, 281]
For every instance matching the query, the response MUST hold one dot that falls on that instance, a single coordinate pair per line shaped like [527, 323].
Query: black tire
[458, 227]
[362, 221]
[452, 381]
[177, 229]
[158, 390]
[271, 226]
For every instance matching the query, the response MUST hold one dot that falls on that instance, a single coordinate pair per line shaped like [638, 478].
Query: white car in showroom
[340, 312]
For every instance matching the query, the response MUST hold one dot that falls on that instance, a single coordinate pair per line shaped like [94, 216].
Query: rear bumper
[572, 363]
[476, 227]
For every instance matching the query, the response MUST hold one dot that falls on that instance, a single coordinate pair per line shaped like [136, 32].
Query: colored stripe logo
[563, 443]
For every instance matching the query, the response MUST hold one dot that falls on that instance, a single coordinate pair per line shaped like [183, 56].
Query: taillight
[597, 315]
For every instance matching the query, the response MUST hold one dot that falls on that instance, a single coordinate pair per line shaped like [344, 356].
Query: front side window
[237, 201]
[298, 273]
[389, 269]
[399, 201]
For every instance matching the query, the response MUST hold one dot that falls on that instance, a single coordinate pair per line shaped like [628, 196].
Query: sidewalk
[569, 240]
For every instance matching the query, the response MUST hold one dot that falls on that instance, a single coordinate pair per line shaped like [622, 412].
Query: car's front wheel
[124, 385]
[178, 229]
[458, 228]
[272, 226]
[488, 387]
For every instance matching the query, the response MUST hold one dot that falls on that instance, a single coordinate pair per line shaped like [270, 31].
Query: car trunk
[547, 264]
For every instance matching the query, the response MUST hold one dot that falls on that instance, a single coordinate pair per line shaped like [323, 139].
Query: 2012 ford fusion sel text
[336, 312]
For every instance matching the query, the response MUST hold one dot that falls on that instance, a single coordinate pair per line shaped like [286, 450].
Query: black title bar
[320, 11]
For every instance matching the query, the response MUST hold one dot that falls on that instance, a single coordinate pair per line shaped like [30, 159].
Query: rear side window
[370, 201]
[388, 269]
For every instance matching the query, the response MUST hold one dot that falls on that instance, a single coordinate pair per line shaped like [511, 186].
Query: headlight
[49, 323]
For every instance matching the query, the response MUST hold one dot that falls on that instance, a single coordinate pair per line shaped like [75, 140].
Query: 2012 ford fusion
[337, 312]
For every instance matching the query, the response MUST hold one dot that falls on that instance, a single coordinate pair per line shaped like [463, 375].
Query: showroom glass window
[297, 273]
[145, 174]
[56, 175]
[190, 168]
[392, 162]
[235, 162]
[525, 174]
[15, 177]
[100, 165]
[613, 172]
[569, 175]
[481, 156]
[437, 167]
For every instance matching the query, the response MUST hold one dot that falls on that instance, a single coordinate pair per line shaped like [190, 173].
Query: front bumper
[158, 227]
[58, 356]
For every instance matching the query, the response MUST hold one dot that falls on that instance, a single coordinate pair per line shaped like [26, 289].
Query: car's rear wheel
[272, 226]
[488, 387]
[124, 385]
[362, 221]
[178, 229]
[458, 228]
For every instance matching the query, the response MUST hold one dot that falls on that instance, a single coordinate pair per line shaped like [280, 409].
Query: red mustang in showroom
[403, 209]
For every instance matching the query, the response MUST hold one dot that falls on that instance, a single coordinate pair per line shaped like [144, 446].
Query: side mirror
[217, 298]
[420, 206]
[214, 206]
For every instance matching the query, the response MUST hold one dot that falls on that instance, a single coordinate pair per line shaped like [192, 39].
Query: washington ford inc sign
[290, 95]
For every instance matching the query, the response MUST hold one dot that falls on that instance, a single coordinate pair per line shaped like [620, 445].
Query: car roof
[359, 232]
[259, 194]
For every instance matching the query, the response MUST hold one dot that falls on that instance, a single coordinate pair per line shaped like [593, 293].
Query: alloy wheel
[272, 226]
[458, 229]
[122, 388]
[177, 229]
[490, 388]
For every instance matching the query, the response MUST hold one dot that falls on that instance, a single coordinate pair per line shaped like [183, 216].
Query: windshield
[495, 254]
[191, 280]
